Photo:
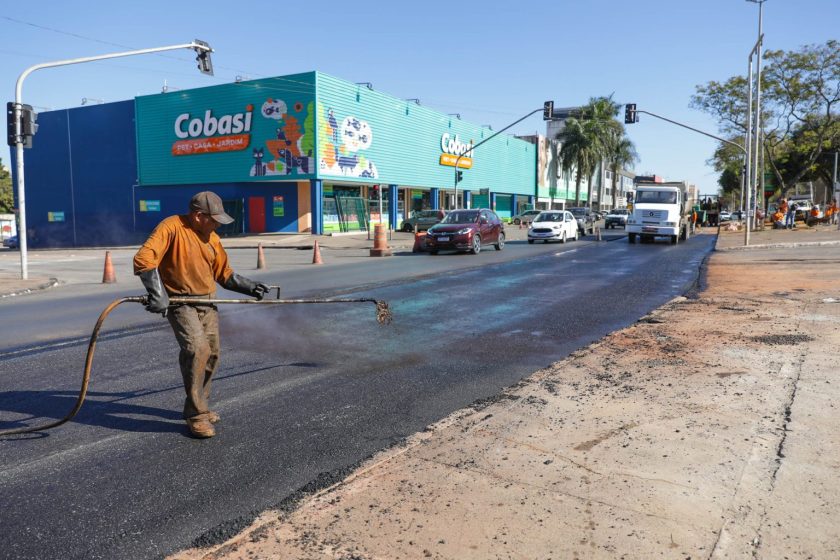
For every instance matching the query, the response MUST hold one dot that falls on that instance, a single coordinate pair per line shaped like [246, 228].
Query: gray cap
[210, 204]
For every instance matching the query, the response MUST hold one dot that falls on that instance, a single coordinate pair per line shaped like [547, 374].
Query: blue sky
[490, 61]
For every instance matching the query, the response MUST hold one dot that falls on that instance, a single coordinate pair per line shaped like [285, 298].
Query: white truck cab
[659, 210]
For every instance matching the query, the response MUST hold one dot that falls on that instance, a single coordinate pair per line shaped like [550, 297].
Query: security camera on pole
[22, 121]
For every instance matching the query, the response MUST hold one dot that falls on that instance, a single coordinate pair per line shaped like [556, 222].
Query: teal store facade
[314, 153]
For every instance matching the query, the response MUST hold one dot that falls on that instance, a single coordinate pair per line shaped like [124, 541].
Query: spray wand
[383, 317]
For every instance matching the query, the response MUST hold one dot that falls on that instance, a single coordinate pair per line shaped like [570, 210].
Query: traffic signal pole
[458, 159]
[203, 51]
[740, 147]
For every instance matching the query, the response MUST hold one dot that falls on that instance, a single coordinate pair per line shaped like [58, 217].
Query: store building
[300, 153]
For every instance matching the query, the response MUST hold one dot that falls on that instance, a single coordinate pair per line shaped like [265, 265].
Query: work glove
[237, 283]
[158, 300]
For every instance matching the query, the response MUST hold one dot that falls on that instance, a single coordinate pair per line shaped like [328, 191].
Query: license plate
[442, 239]
[650, 229]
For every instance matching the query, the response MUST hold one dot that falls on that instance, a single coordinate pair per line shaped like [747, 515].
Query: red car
[466, 230]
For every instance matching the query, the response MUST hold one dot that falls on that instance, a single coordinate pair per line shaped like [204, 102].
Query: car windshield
[656, 197]
[578, 211]
[549, 217]
[460, 217]
[621, 212]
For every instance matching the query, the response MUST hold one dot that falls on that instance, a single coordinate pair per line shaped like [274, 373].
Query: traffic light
[459, 176]
[205, 64]
[28, 125]
[11, 130]
[374, 191]
[548, 110]
[630, 113]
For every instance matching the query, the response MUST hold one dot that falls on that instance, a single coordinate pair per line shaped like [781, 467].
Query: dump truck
[660, 210]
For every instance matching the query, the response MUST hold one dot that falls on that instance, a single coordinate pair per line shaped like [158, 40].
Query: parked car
[466, 230]
[423, 219]
[616, 217]
[725, 216]
[585, 219]
[525, 217]
[553, 225]
[11, 242]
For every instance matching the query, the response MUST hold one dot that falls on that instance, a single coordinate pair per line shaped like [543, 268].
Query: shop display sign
[452, 147]
[279, 210]
[55, 216]
[249, 131]
[150, 205]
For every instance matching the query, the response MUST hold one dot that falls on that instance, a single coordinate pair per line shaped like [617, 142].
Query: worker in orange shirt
[779, 219]
[184, 257]
[831, 212]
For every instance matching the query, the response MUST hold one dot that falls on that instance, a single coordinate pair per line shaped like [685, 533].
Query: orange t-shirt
[188, 264]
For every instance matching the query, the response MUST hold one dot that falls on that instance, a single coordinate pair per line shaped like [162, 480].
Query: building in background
[301, 153]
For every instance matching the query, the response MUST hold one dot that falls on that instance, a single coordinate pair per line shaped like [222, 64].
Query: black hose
[383, 316]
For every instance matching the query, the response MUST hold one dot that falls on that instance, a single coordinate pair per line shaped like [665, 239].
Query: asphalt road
[305, 392]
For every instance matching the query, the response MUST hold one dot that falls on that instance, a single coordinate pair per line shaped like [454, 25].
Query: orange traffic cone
[316, 254]
[108, 275]
[260, 257]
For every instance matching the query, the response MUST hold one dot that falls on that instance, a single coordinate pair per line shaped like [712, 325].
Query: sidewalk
[705, 430]
[273, 243]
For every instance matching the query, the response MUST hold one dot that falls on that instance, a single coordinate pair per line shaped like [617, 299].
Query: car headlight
[463, 231]
[671, 224]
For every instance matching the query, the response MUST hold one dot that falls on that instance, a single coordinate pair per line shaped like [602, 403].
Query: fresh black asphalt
[305, 392]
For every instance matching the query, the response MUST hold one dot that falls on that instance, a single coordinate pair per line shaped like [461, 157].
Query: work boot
[201, 427]
[213, 417]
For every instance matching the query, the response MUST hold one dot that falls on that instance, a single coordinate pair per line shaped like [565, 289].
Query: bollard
[380, 244]
[108, 275]
[316, 254]
[597, 233]
[260, 257]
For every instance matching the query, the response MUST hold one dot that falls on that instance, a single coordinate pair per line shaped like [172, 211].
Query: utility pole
[759, 171]
[22, 137]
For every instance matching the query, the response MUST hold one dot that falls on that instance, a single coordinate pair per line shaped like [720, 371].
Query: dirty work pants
[197, 330]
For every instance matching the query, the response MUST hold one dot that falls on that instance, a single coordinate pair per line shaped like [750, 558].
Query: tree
[622, 155]
[576, 152]
[7, 202]
[800, 101]
[587, 139]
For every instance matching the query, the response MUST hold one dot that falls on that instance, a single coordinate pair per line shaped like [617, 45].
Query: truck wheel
[631, 237]
[675, 239]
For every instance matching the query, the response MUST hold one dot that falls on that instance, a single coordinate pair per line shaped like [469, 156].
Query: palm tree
[576, 152]
[622, 155]
[588, 139]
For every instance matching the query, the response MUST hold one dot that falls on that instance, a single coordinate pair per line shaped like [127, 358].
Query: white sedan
[553, 225]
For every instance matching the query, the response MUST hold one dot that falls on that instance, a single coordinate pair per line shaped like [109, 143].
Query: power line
[129, 47]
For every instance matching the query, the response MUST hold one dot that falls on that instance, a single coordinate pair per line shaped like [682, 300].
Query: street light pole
[203, 50]
[458, 159]
[759, 173]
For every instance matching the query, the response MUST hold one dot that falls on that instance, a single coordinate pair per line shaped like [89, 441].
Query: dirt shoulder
[707, 429]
